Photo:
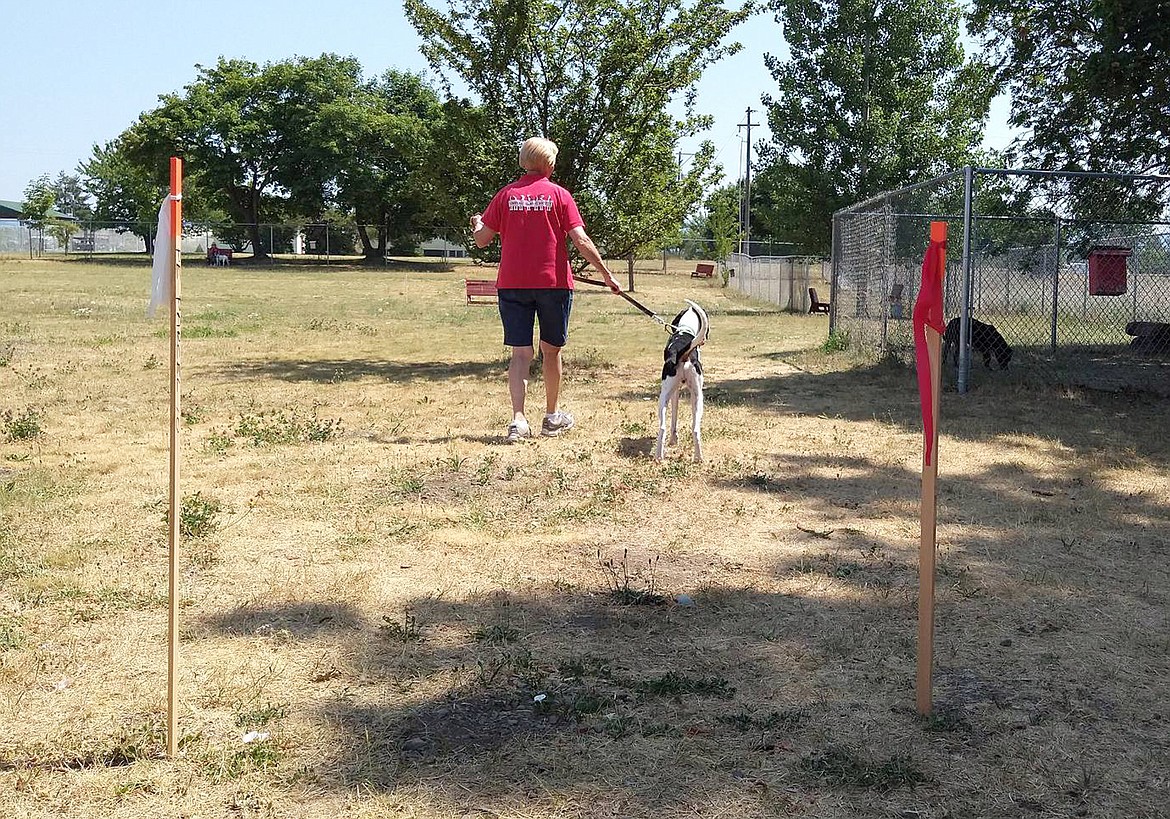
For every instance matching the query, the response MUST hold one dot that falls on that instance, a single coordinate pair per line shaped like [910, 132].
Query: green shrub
[837, 342]
[22, 427]
[197, 516]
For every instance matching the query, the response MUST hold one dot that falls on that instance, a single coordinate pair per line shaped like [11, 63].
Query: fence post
[965, 295]
[834, 262]
[1056, 283]
[1134, 276]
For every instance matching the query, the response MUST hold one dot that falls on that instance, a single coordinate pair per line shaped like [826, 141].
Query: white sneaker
[518, 430]
[556, 423]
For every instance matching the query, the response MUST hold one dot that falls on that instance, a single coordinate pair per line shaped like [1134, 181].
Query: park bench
[481, 288]
[219, 256]
[815, 305]
[703, 270]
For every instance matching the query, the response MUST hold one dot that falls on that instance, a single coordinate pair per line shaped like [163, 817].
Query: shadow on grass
[328, 371]
[1006, 404]
[296, 619]
[792, 677]
[790, 683]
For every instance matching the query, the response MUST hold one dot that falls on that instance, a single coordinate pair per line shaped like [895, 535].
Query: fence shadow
[1004, 403]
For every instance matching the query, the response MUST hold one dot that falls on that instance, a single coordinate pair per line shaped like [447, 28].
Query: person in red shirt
[532, 217]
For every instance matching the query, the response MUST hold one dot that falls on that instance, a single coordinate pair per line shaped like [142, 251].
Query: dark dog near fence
[985, 340]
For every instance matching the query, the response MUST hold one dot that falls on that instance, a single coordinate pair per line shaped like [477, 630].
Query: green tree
[39, 198]
[384, 135]
[595, 76]
[62, 230]
[71, 197]
[1089, 79]
[714, 232]
[723, 221]
[126, 195]
[252, 136]
[875, 95]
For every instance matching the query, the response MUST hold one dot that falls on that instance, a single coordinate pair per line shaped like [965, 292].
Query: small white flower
[540, 698]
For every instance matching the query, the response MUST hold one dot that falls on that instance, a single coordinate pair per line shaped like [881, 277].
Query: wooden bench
[815, 305]
[482, 288]
[219, 256]
[703, 270]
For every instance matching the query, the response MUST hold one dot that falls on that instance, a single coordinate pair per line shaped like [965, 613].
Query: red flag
[928, 312]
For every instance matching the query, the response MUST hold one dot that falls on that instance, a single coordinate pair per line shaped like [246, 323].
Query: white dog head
[691, 330]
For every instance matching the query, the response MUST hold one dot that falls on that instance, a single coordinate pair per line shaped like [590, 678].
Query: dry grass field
[389, 612]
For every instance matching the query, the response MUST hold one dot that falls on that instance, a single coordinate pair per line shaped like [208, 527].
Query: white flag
[164, 256]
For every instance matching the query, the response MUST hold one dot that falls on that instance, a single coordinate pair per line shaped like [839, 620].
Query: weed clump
[280, 427]
[23, 426]
[626, 588]
[844, 767]
[674, 684]
[837, 342]
[198, 515]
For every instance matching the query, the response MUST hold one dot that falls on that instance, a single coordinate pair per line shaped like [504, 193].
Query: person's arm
[483, 234]
[587, 249]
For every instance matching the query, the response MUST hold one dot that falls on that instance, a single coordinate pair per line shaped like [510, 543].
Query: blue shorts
[520, 305]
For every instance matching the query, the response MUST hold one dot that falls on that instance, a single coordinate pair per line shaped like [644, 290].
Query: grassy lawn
[388, 611]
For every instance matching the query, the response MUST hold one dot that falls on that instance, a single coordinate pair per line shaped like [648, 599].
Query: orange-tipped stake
[176, 233]
[928, 328]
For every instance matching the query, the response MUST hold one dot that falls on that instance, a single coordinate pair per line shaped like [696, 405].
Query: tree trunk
[258, 251]
[367, 245]
[630, 271]
[383, 238]
[254, 238]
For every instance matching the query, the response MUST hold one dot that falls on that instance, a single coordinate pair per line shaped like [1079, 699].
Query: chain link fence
[1072, 269]
[323, 240]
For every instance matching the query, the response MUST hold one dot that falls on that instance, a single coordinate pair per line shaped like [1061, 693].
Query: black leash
[630, 299]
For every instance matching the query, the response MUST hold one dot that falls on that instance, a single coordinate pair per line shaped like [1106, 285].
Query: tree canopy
[39, 199]
[597, 77]
[126, 195]
[382, 137]
[254, 135]
[875, 94]
[1089, 79]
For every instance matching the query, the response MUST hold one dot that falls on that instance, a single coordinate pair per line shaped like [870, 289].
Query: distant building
[10, 209]
[441, 247]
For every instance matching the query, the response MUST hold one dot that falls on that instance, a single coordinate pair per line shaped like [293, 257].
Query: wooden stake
[176, 499]
[928, 516]
[926, 545]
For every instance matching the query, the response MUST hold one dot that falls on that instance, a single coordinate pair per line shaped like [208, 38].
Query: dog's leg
[676, 393]
[669, 386]
[697, 418]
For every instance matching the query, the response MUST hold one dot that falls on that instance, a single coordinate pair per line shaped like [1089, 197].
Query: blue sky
[81, 72]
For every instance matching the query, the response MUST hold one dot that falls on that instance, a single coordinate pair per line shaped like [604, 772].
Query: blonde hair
[538, 154]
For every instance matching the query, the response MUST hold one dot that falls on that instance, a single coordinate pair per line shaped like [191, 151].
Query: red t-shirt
[533, 215]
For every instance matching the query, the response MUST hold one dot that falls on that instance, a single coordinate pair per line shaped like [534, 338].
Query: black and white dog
[681, 366]
[985, 340]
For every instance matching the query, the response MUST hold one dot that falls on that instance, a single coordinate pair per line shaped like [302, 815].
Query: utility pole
[746, 210]
[678, 178]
